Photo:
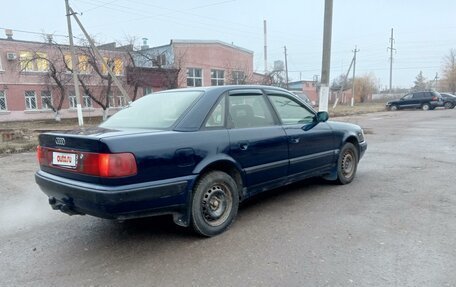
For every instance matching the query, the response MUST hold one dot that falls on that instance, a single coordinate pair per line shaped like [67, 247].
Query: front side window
[290, 111]
[30, 100]
[194, 77]
[154, 111]
[249, 111]
[407, 97]
[3, 106]
[46, 100]
[217, 77]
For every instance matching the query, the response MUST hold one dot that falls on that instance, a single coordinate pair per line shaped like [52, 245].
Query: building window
[83, 64]
[46, 100]
[87, 101]
[1, 68]
[118, 67]
[147, 90]
[238, 77]
[111, 101]
[194, 77]
[30, 100]
[217, 77]
[72, 100]
[3, 106]
[121, 101]
[33, 62]
[68, 61]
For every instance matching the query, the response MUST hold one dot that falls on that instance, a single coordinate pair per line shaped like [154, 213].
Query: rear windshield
[154, 111]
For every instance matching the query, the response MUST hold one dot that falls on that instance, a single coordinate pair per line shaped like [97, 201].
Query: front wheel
[426, 107]
[347, 164]
[215, 203]
[393, 108]
[448, 105]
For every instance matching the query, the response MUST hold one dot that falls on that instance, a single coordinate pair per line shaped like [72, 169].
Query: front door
[310, 151]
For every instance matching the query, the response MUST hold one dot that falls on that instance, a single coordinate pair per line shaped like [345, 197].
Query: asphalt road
[395, 225]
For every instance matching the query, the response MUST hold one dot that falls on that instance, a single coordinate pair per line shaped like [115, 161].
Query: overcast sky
[424, 31]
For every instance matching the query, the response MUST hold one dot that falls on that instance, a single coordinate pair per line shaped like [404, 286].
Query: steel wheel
[393, 108]
[426, 107]
[448, 105]
[215, 203]
[347, 163]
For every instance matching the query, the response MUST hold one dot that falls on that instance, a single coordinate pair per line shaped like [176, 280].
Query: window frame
[72, 103]
[44, 105]
[3, 96]
[194, 78]
[217, 77]
[28, 100]
[87, 102]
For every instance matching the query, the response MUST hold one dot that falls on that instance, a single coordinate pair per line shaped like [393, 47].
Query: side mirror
[322, 117]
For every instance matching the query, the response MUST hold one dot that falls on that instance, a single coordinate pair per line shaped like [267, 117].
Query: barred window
[87, 101]
[30, 100]
[46, 100]
[3, 106]
[72, 100]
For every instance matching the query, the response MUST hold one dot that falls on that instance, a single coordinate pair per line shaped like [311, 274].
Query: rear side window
[249, 111]
[154, 111]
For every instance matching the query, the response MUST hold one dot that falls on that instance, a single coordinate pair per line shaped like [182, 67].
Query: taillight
[97, 164]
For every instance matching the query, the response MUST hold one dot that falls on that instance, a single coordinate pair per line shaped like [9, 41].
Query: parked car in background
[449, 100]
[417, 100]
[195, 154]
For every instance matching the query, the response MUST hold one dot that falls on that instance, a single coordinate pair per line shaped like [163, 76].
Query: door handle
[243, 145]
[294, 140]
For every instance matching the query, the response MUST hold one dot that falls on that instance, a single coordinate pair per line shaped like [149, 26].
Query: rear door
[257, 142]
[310, 151]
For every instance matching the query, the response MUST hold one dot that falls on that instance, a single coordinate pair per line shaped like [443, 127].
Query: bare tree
[54, 73]
[448, 82]
[365, 86]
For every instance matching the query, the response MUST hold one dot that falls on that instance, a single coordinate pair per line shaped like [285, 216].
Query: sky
[424, 31]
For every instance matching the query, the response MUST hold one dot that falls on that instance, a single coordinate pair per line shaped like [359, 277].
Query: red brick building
[28, 90]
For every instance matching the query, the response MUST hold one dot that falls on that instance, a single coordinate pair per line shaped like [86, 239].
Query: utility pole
[265, 48]
[286, 65]
[100, 58]
[326, 58]
[74, 67]
[353, 84]
[391, 60]
[436, 78]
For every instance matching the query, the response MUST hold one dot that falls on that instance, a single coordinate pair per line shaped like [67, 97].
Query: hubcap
[216, 204]
[348, 164]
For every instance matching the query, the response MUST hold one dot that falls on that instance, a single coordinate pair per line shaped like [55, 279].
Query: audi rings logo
[59, 141]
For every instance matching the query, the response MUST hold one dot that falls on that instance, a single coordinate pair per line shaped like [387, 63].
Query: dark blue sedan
[195, 153]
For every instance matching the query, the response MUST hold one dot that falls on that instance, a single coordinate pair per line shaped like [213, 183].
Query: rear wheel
[347, 164]
[448, 105]
[426, 107]
[215, 203]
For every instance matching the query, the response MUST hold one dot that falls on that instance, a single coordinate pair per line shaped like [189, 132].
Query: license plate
[64, 159]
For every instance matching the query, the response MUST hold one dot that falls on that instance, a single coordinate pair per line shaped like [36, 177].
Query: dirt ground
[17, 137]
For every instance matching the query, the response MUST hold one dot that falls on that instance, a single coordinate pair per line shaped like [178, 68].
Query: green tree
[420, 82]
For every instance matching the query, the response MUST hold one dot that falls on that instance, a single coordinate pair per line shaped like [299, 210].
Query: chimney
[144, 45]
[9, 34]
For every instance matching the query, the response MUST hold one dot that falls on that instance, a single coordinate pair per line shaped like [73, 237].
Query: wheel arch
[353, 140]
[227, 165]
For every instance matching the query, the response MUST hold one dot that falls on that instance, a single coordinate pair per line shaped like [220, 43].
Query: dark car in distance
[195, 154]
[417, 100]
[449, 100]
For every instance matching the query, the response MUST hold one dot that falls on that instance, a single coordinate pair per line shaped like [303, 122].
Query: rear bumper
[118, 202]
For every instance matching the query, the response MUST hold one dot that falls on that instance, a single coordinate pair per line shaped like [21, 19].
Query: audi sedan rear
[195, 154]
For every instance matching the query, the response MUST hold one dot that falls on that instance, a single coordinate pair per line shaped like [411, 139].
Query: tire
[448, 105]
[426, 107]
[347, 164]
[215, 203]
[393, 108]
